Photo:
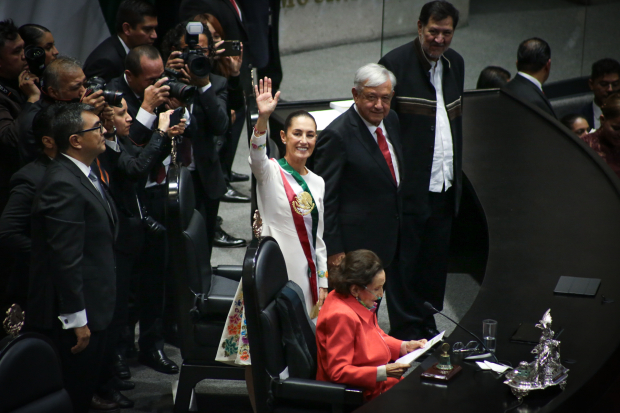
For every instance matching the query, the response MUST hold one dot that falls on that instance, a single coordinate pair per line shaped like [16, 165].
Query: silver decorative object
[545, 371]
[14, 320]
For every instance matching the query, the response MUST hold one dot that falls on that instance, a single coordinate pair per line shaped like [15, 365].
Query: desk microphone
[429, 306]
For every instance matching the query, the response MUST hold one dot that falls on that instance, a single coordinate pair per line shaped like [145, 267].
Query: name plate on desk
[577, 286]
[433, 373]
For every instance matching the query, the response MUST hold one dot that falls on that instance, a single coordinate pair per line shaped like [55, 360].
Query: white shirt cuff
[382, 373]
[146, 118]
[74, 320]
[323, 282]
[205, 88]
[113, 145]
[188, 118]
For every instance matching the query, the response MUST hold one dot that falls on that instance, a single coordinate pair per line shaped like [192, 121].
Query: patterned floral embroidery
[322, 274]
[255, 146]
[234, 344]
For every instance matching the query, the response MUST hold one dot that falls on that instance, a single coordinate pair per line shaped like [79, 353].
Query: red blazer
[351, 345]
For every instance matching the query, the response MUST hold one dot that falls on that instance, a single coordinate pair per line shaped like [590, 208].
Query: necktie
[385, 151]
[95, 181]
[234, 3]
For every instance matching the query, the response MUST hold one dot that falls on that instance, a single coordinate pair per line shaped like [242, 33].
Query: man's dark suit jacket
[73, 264]
[15, 225]
[362, 201]
[138, 132]
[212, 119]
[107, 60]
[587, 111]
[527, 91]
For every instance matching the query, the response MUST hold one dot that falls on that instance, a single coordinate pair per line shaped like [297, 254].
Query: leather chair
[265, 281]
[203, 294]
[30, 377]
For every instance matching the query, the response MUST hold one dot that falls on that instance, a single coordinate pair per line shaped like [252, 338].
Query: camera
[112, 98]
[193, 54]
[185, 93]
[35, 56]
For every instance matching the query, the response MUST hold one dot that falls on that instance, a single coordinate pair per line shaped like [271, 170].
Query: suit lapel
[229, 4]
[368, 142]
[119, 47]
[538, 92]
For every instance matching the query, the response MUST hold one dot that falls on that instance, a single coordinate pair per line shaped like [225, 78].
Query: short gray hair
[51, 75]
[373, 75]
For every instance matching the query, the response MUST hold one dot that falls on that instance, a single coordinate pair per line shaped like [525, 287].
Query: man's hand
[176, 63]
[334, 260]
[155, 95]
[83, 338]
[396, 370]
[322, 296]
[95, 100]
[107, 118]
[28, 87]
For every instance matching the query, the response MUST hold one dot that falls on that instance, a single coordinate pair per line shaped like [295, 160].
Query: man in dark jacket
[428, 103]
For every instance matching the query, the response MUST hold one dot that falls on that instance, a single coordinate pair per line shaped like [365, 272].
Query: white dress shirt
[124, 45]
[597, 116]
[373, 131]
[443, 155]
[532, 79]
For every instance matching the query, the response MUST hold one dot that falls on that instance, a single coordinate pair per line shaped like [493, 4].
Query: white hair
[373, 75]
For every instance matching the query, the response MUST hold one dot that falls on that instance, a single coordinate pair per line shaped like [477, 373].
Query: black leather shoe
[158, 361]
[236, 177]
[117, 397]
[98, 404]
[225, 240]
[232, 195]
[120, 367]
[121, 385]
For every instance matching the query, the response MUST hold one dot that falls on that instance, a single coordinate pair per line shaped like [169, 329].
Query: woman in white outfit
[290, 202]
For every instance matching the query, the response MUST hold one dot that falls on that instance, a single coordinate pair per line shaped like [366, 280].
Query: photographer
[63, 81]
[210, 109]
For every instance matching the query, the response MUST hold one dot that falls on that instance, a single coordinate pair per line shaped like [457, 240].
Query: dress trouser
[229, 148]
[424, 251]
[207, 207]
[151, 269]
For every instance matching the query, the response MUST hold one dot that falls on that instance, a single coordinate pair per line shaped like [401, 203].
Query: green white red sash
[305, 216]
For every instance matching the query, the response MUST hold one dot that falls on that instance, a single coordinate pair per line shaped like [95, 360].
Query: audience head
[214, 25]
[42, 128]
[534, 57]
[122, 119]
[373, 92]
[78, 132]
[493, 77]
[174, 40]
[63, 79]
[436, 25]
[360, 274]
[143, 66]
[299, 135]
[36, 35]
[604, 79]
[12, 59]
[610, 120]
[576, 123]
[136, 23]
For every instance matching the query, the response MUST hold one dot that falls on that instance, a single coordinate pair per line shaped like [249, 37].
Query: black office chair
[204, 294]
[265, 288]
[30, 377]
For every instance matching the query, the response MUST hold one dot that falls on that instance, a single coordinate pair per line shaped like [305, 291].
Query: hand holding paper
[411, 357]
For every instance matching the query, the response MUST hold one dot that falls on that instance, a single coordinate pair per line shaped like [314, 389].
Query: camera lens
[113, 98]
[199, 64]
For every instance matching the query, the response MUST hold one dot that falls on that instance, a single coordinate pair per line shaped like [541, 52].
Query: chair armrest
[232, 272]
[318, 391]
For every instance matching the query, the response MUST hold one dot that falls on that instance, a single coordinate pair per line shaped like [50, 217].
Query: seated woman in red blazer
[352, 349]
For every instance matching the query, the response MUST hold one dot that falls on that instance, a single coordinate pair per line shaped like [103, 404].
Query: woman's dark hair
[356, 268]
[296, 114]
[220, 67]
[439, 10]
[611, 106]
[32, 33]
[569, 119]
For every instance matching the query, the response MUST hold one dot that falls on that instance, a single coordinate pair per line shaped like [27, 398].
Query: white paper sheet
[409, 358]
[487, 365]
[341, 105]
[324, 117]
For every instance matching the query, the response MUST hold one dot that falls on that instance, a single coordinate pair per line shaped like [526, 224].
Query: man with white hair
[359, 155]
[428, 103]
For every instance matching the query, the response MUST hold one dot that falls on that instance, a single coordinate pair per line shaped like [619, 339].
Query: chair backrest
[30, 377]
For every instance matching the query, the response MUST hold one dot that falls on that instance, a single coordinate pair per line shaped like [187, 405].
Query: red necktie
[385, 151]
[161, 174]
[234, 3]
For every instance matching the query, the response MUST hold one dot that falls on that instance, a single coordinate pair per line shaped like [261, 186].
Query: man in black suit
[428, 103]
[604, 80]
[359, 155]
[136, 24]
[534, 66]
[72, 277]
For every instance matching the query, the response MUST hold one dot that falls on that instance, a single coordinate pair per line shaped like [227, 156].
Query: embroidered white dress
[278, 223]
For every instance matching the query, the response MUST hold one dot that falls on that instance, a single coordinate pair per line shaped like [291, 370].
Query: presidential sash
[305, 216]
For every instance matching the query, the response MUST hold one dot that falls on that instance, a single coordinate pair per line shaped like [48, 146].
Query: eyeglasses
[100, 127]
[458, 347]
[375, 98]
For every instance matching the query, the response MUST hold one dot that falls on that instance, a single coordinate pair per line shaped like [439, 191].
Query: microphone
[429, 306]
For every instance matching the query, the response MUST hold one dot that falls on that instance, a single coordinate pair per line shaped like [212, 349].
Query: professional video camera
[183, 92]
[112, 97]
[35, 56]
[193, 54]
